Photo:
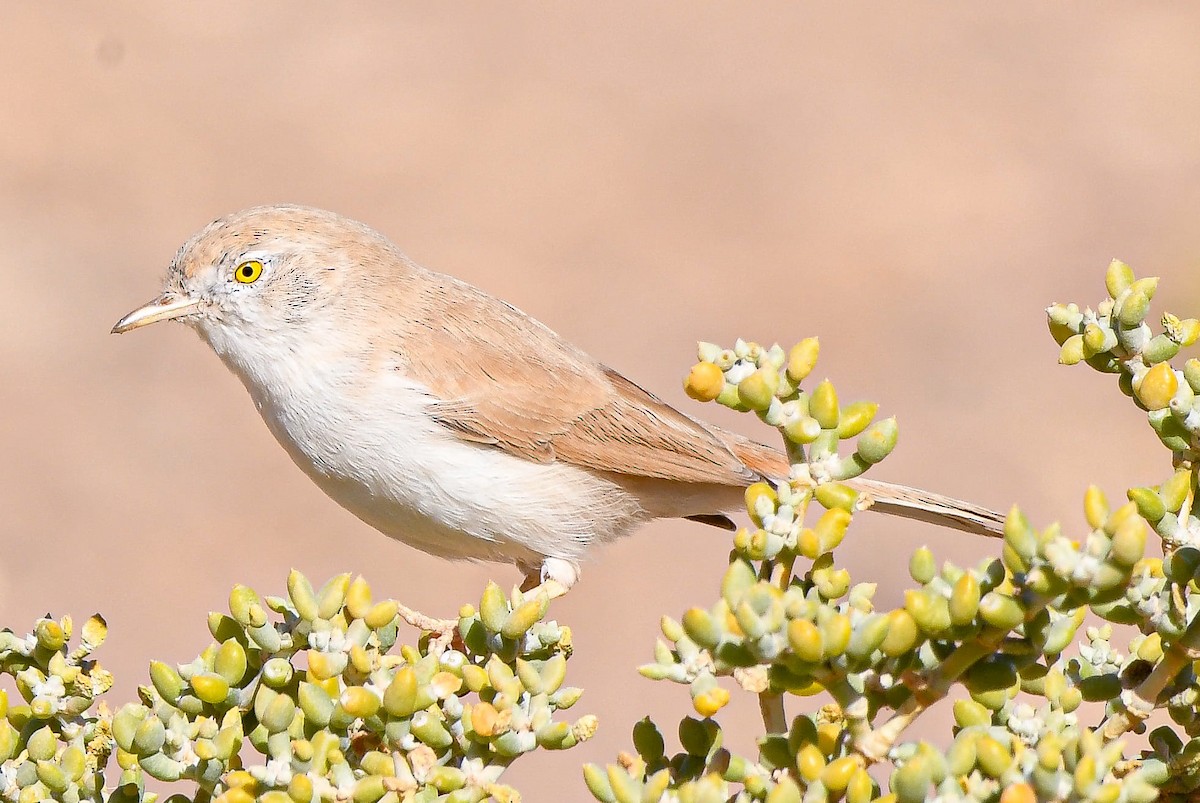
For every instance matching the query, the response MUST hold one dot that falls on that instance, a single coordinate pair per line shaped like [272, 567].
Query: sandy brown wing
[602, 422]
[636, 433]
[550, 401]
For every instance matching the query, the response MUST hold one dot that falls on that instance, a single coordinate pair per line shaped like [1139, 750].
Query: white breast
[363, 435]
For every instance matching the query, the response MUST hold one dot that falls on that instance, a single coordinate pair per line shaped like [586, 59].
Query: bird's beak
[162, 308]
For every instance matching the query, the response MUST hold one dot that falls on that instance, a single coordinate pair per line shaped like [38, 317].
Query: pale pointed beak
[163, 308]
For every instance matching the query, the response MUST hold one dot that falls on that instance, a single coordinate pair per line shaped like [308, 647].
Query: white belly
[376, 452]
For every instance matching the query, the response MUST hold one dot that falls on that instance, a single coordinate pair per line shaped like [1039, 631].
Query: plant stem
[875, 744]
[1146, 694]
[770, 705]
[931, 687]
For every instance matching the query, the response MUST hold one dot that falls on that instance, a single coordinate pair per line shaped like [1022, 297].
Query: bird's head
[258, 278]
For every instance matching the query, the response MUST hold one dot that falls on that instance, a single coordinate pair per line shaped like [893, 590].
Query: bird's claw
[552, 589]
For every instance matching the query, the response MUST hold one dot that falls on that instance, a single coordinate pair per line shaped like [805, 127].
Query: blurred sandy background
[926, 177]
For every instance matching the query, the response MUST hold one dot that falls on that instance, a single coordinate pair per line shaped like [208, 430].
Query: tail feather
[913, 503]
[714, 520]
[886, 497]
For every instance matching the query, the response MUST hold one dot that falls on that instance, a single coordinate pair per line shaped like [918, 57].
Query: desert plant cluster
[311, 695]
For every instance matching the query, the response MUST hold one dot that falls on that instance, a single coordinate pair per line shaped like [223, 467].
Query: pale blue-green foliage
[1002, 638]
[52, 743]
[306, 696]
[312, 686]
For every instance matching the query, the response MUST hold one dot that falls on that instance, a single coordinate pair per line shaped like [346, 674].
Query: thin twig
[1144, 697]
[770, 705]
[933, 686]
[875, 744]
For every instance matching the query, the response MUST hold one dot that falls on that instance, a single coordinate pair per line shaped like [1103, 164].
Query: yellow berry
[704, 382]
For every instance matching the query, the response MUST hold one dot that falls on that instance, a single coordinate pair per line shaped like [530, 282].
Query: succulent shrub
[310, 696]
[1002, 639]
[314, 687]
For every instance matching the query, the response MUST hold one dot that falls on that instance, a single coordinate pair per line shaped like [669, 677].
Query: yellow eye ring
[248, 272]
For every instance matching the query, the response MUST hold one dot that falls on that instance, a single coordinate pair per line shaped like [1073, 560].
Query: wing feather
[515, 385]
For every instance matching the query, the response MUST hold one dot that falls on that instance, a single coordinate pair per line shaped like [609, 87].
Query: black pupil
[247, 271]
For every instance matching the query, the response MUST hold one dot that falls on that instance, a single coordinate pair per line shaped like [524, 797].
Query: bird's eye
[248, 272]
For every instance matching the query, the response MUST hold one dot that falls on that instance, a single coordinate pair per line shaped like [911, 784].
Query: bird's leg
[531, 577]
[443, 630]
[553, 578]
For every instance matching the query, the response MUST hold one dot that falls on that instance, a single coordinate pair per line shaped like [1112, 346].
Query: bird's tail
[887, 497]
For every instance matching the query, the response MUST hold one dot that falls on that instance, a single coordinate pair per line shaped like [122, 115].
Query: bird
[448, 419]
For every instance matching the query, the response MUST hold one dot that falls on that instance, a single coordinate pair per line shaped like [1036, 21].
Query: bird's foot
[445, 631]
[553, 578]
[552, 589]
